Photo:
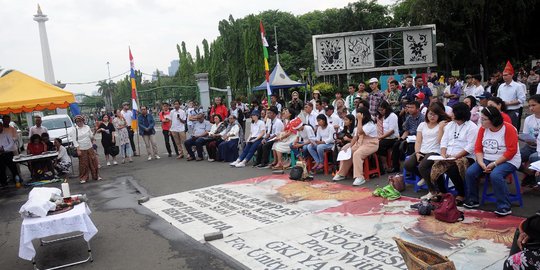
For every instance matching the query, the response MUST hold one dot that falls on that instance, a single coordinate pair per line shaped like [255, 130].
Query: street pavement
[132, 237]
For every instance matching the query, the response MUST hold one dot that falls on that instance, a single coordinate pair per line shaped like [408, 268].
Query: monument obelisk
[40, 18]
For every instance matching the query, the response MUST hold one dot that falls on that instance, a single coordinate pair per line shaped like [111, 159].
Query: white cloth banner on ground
[74, 220]
[274, 223]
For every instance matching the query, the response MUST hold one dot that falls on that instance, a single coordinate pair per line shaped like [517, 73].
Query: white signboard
[359, 51]
[417, 47]
[331, 54]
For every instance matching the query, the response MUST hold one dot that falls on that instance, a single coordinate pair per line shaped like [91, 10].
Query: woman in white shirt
[215, 137]
[228, 148]
[457, 143]
[387, 130]
[324, 140]
[88, 163]
[497, 154]
[531, 127]
[285, 138]
[257, 131]
[62, 164]
[364, 143]
[305, 136]
[428, 143]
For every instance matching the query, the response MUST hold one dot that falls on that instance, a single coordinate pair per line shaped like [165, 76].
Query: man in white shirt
[178, 127]
[511, 93]
[37, 128]
[7, 148]
[128, 115]
[478, 88]
[468, 87]
[200, 131]
[308, 115]
[349, 100]
[332, 118]
[274, 126]
[319, 108]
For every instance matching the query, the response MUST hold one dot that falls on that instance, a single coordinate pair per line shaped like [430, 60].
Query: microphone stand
[70, 157]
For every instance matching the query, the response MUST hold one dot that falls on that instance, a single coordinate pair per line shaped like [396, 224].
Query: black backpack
[296, 173]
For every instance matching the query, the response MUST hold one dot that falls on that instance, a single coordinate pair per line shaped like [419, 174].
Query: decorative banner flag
[133, 92]
[265, 52]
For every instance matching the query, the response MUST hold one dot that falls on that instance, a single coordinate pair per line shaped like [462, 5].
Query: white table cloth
[74, 220]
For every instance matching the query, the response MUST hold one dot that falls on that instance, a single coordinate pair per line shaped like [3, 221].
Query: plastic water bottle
[18, 182]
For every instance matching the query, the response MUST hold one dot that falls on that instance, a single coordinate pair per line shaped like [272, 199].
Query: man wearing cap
[128, 115]
[510, 92]
[296, 103]
[420, 98]
[452, 91]
[419, 85]
[274, 126]
[37, 128]
[349, 100]
[375, 97]
[165, 118]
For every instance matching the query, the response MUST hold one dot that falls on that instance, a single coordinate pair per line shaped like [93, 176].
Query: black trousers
[167, 135]
[131, 141]
[263, 152]
[6, 161]
[401, 148]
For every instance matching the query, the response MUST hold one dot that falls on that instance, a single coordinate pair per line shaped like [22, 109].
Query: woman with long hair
[428, 143]
[387, 131]
[215, 137]
[122, 137]
[257, 131]
[324, 140]
[364, 143]
[498, 103]
[107, 131]
[228, 148]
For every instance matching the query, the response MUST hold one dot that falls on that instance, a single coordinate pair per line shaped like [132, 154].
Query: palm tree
[106, 90]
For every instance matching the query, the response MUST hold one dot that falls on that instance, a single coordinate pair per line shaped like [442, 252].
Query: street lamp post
[303, 74]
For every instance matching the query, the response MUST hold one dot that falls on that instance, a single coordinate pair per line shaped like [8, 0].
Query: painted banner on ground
[274, 223]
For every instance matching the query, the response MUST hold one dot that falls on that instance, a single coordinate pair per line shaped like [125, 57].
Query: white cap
[373, 80]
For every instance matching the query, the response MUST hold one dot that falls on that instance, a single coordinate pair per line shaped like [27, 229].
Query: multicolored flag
[266, 68]
[133, 92]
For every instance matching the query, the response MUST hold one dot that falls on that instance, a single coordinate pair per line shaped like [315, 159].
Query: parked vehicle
[59, 126]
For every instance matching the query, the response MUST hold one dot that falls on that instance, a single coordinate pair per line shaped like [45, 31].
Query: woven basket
[420, 258]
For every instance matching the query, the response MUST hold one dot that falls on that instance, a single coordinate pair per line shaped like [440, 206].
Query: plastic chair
[412, 179]
[490, 197]
[370, 171]
[326, 163]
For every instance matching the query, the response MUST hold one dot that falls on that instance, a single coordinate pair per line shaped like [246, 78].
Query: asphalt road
[132, 237]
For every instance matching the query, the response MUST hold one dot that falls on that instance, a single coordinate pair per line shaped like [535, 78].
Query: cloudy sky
[85, 35]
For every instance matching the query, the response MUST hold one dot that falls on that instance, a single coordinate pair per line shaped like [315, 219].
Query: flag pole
[266, 67]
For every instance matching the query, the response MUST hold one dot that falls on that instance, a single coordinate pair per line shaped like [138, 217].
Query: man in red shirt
[218, 108]
[165, 118]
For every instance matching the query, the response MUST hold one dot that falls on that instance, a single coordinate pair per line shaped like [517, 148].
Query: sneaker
[157, 157]
[149, 158]
[427, 196]
[232, 164]
[421, 182]
[503, 212]
[264, 166]
[338, 178]
[241, 164]
[170, 155]
[211, 160]
[82, 181]
[358, 181]
[115, 163]
[108, 163]
[471, 205]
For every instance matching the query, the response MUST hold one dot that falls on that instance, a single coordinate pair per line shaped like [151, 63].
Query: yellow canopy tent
[22, 93]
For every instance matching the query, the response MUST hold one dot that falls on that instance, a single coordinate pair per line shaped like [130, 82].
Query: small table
[51, 155]
[74, 220]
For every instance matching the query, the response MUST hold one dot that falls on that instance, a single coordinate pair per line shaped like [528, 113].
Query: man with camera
[296, 104]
